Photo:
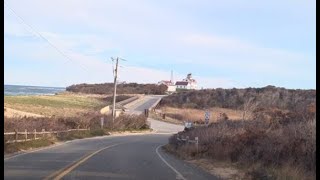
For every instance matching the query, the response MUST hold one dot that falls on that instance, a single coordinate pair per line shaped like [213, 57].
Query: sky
[224, 44]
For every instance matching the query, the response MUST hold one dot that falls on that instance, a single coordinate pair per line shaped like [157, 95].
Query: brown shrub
[131, 122]
[255, 141]
[266, 97]
[86, 120]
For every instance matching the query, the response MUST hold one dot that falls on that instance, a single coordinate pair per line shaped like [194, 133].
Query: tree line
[128, 88]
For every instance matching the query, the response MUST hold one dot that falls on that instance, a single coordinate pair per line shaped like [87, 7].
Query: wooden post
[197, 144]
[43, 133]
[35, 134]
[16, 135]
[26, 134]
[187, 139]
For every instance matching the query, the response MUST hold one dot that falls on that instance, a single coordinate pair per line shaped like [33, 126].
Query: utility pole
[115, 74]
[114, 92]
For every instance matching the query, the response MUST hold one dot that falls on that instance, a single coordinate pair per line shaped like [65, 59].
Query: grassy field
[60, 112]
[57, 105]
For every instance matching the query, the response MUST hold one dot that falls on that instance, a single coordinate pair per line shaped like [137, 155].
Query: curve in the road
[61, 173]
[179, 175]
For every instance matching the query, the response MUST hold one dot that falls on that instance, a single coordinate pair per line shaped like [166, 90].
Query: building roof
[165, 82]
[182, 83]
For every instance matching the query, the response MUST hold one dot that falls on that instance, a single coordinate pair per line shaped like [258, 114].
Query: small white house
[171, 88]
[187, 83]
[169, 84]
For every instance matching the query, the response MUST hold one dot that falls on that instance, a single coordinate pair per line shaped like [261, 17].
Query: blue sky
[222, 43]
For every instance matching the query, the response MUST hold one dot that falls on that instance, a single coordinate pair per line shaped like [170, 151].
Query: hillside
[267, 97]
[265, 133]
[107, 88]
[255, 103]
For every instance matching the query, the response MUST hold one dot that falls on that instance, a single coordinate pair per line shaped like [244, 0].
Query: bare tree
[249, 106]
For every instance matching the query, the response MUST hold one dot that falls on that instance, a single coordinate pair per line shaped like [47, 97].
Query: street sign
[206, 117]
[188, 125]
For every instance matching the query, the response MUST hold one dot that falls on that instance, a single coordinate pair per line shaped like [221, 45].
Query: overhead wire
[44, 38]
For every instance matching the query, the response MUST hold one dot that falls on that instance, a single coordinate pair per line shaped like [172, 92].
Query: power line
[41, 36]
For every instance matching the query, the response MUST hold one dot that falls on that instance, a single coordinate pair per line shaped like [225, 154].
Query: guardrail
[127, 101]
[187, 140]
[35, 133]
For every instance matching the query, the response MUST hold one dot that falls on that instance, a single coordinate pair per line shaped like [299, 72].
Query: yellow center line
[64, 171]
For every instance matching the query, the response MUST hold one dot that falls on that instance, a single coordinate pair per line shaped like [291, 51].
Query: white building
[169, 84]
[187, 83]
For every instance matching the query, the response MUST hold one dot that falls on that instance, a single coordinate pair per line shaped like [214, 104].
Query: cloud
[233, 53]
[161, 35]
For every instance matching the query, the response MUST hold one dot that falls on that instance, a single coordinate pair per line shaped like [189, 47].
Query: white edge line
[177, 172]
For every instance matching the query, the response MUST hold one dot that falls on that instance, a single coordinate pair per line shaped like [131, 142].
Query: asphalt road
[150, 100]
[145, 103]
[107, 157]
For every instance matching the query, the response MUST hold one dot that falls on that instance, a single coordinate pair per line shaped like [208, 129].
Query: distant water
[16, 90]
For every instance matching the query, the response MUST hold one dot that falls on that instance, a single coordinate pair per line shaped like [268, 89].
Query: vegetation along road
[138, 156]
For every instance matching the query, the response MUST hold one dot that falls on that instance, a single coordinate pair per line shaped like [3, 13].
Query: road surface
[137, 156]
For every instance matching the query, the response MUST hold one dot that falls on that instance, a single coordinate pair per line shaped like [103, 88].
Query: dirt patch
[16, 113]
[221, 169]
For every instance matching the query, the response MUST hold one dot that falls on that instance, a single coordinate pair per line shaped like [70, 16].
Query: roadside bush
[255, 142]
[86, 120]
[131, 122]
[266, 97]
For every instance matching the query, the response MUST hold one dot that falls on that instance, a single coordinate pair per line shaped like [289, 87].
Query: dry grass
[197, 115]
[88, 120]
[283, 151]
[14, 147]
[64, 105]
[158, 117]
[223, 170]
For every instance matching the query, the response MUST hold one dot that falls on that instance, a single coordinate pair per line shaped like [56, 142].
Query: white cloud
[232, 53]
[85, 29]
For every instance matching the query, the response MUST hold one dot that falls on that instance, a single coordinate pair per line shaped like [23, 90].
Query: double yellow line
[64, 171]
